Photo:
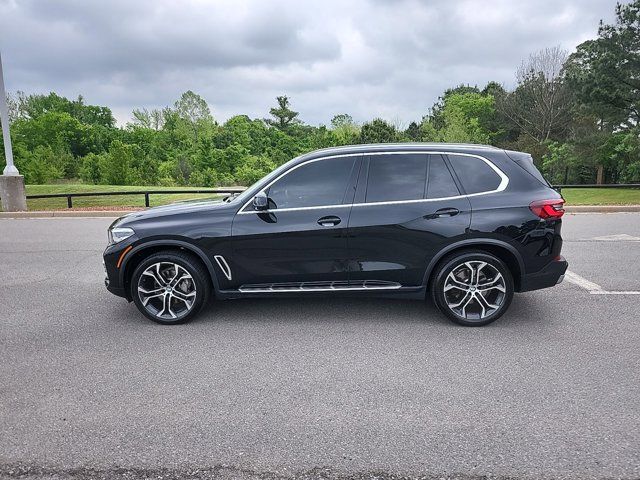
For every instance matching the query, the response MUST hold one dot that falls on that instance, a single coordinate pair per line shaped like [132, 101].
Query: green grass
[573, 196]
[119, 201]
[601, 196]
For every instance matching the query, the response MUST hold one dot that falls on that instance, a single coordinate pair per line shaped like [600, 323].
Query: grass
[602, 196]
[573, 196]
[119, 201]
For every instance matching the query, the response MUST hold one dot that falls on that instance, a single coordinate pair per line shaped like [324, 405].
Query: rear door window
[475, 174]
[396, 177]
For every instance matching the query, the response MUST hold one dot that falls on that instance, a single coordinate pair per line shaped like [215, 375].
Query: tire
[455, 288]
[170, 287]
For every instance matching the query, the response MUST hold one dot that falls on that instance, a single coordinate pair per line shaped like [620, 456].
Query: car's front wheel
[170, 287]
[472, 288]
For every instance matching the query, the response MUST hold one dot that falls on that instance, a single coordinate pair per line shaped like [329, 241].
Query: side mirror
[260, 201]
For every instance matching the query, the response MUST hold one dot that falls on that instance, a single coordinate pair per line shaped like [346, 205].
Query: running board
[318, 287]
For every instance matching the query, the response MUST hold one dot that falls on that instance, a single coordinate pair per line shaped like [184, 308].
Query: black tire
[478, 312]
[181, 308]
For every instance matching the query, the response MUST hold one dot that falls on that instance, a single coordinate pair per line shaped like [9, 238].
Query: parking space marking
[594, 288]
[622, 237]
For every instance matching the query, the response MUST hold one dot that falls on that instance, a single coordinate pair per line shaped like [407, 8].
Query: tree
[342, 120]
[540, 106]
[462, 118]
[253, 169]
[192, 108]
[283, 116]
[436, 112]
[345, 130]
[115, 167]
[43, 165]
[153, 119]
[604, 73]
[559, 162]
[413, 132]
[16, 105]
[59, 130]
[378, 131]
[193, 112]
[35, 106]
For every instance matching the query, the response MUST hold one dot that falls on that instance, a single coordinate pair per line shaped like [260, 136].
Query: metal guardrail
[146, 193]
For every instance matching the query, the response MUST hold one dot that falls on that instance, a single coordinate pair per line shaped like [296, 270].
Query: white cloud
[365, 57]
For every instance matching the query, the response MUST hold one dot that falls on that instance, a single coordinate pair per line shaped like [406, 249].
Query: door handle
[329, 221]
[443, 212]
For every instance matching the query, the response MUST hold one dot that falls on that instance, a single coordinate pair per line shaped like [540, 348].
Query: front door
[301, 238]
[407, 208]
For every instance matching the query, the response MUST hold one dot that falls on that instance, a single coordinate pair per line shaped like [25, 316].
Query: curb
[602, 208]
[66, 214]
[119, 213]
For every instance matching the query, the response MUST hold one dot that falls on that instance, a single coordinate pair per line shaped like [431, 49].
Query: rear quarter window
[525, 161]
[475, 174]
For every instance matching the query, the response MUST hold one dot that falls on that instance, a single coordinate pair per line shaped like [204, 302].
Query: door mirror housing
[261, 201]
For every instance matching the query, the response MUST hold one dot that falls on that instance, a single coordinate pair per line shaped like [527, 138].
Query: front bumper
[112, 277]
[549, 276]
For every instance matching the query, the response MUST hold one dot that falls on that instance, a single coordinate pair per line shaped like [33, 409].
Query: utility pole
[11, 182]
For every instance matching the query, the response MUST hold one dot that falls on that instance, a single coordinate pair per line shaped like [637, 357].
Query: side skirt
[367, 288]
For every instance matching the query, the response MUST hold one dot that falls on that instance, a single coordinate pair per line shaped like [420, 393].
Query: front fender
[169, 243]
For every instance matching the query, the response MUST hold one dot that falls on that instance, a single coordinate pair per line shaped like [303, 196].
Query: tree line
[577, 113]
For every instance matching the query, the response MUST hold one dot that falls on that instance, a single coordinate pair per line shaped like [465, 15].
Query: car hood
[188, 206]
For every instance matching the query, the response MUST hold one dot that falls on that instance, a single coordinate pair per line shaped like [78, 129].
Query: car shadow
[525, 309]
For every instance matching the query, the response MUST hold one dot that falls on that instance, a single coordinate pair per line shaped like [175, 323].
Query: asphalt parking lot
[316, 388]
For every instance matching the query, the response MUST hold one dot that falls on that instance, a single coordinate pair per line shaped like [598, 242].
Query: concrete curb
[66, 214]
[119, 213]
[602, 208]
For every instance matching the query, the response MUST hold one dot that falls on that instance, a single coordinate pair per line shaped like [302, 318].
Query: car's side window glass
[440, 182]
[394, 177]
[312, 184]
[474, 174]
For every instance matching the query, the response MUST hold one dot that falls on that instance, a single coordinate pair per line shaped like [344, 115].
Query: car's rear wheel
[472, 288]
[170, 287]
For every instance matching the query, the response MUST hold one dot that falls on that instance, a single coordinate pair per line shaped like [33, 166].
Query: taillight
[548, 208]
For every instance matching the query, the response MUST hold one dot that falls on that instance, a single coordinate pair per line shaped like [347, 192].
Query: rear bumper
[549, 276]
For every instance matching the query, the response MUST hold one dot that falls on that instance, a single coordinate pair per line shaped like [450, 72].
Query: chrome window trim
[504, 182]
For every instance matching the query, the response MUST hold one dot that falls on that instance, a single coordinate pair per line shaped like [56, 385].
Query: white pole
[10, 169]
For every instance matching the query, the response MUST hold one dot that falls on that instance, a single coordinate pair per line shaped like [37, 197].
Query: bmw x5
[466, 225]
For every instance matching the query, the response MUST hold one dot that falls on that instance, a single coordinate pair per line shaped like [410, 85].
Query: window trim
[458, 180]
[504, 182]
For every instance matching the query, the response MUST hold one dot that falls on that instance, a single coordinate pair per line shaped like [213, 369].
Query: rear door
[407, 208]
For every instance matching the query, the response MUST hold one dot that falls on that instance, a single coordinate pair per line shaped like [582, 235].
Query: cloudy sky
[368, 58]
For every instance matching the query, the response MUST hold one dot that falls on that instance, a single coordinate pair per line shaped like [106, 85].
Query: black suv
[470, 224]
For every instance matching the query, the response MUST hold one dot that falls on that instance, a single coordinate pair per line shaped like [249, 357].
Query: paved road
[315, 387]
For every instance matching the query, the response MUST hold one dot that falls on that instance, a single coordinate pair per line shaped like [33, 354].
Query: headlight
[118, 234]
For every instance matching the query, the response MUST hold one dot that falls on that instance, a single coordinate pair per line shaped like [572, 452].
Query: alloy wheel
[167, 290]
[474, 290]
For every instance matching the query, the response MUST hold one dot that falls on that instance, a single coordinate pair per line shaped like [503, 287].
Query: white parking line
[622, 237]
[594, 288]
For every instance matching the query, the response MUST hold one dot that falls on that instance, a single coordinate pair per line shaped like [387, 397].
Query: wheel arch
[504, 251]
[139, 252]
